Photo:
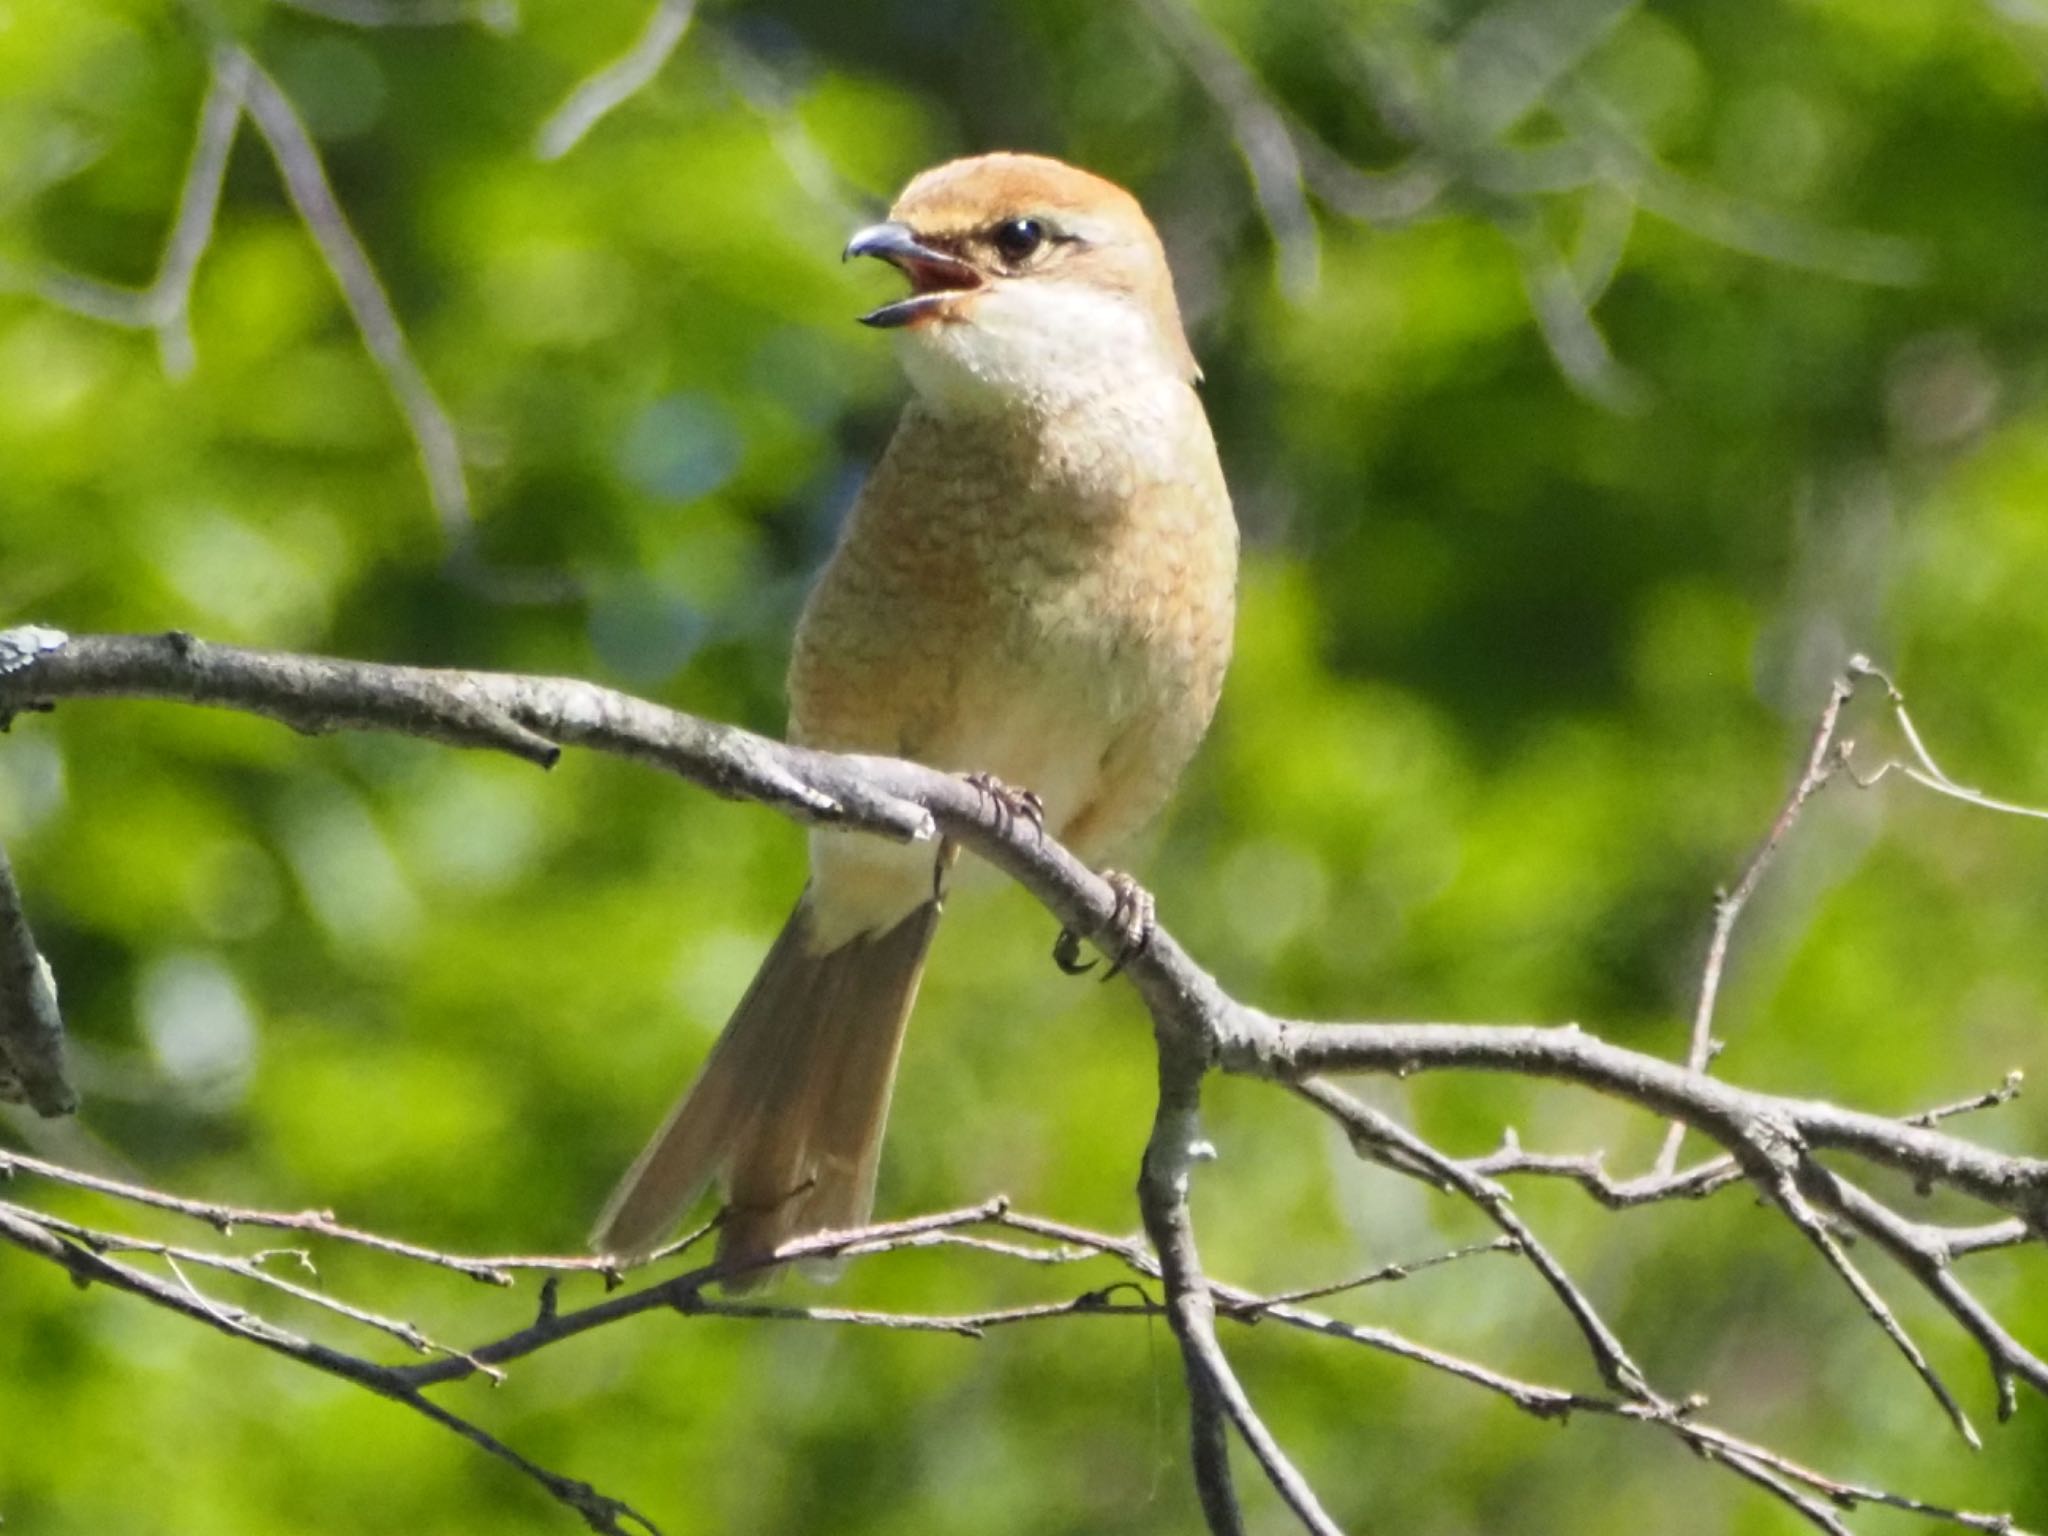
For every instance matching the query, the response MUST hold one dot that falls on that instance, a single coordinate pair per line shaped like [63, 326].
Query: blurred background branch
[611, 87]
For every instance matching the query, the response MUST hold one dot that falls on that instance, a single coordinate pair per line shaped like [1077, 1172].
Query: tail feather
[790, 1106]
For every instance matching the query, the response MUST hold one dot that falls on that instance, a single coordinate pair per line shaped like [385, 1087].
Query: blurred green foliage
[1521, 679]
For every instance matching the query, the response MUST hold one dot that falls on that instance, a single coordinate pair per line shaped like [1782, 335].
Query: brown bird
[1037, 584]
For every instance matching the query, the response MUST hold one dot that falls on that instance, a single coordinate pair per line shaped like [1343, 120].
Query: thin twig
[1511, 59]
[1565, 320]
[1737, 224]
[1924, 770]
[762, 86]
[1821, 762]
[198, 208]
[249, 1268]
[1589, 1171]
[1787, 1188]
[1367, 1127]
[225, 1218]
[685, 1292]
[238, 84]
[1379, 1275]
[1992, 1098]
[599, 1511]
[1927, 1253]
[1846, 1495]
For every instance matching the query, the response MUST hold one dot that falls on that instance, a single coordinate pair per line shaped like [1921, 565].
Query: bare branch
[1589, 1172]
[170, 296]
[1992, 1098]
[1369, 1129]
[225, 1218]
[199, 205]
[305, 179]
[1769, 1140]
[1512, 56]
[1927, 1254]
[599, 1511]
[1607, 219]
[762, 87]
[1719, 1445]
[250, 1268]
[1821, 763]
[499, 16]
[1786, 1189]
[1215, 1394]
[1741, 1119]
[1262, 134]
[1710, 214]
[684, 1295]
[165, 305]
[239, 84]
[1557, 300]
[1924, 770]
[524, 715]
[611, 87]
[31, 1027]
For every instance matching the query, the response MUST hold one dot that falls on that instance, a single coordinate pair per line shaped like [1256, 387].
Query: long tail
[789, 1108]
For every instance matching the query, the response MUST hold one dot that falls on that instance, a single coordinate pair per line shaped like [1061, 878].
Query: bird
[1036, 587]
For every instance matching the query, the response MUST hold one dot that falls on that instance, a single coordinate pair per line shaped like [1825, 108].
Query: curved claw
[1011, 805]
[1135, 917]
[1129, 930]
[1066, 954]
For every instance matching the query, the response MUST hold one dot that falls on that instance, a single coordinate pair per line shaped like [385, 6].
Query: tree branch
[599, 1511]
[1821, 762]
[1771, 1141]
[618, 82]
[305, 180]
[31, 1028]
[165, 305]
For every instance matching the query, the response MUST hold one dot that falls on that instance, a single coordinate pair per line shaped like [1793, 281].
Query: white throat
[1043, 346]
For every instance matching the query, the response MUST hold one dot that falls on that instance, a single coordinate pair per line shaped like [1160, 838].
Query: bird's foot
[1130, 929]
[1011, 805]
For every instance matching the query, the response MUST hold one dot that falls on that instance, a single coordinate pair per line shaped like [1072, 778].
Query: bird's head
[1031, 281]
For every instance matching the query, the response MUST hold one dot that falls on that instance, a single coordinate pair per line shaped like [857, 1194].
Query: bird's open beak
[933, 274]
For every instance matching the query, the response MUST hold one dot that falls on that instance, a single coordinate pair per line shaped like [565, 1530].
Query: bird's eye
[1019, 239]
